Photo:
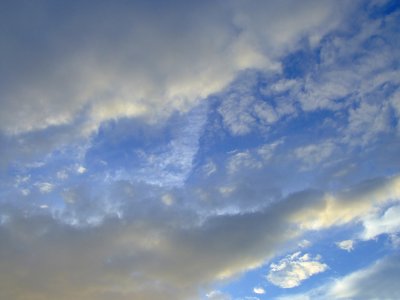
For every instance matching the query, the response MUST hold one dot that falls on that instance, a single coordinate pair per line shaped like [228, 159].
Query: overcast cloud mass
[211, 150]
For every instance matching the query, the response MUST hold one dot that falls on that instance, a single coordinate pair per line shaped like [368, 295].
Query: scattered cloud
[304, 244]
[148, 154]
[378, 223]
[258, 290]
[45, 187]
[150, 241]
[81, 169]
[347, 245]
[378, 281]
[315, 154]
[293, 269]
[218, 295]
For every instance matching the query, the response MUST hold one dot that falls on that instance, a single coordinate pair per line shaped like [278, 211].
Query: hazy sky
[200, 150]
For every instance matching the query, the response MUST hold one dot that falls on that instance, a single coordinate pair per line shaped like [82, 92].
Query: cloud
[183, 151]
[350, 205]
[315, 154]
[81, 169]
[45, 187]
[386, 223]
[126, 243]
[218, 295]
[347, 245]
[258, 291]
[127, 65]
[378, 281]
[290, 271]
[304, 244]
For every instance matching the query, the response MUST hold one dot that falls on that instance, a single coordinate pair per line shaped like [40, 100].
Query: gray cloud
[152, 250]
[113, 60]
[166, 224]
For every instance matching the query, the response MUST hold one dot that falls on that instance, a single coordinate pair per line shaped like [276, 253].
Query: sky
[200, 150]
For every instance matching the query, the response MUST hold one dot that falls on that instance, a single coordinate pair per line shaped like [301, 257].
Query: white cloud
[209, 168]
[304, 244]
[218, 295]
[347, 245]
[170, 164]
[25, 192]
[348, 205]
[293, 269]
[81, 169]
[258, 290]
[375, 117]
[386, 223]
[315, 154]
[378, 281]
[44, 187]
[241, 160]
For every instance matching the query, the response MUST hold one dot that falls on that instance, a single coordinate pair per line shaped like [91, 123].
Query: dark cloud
[152, 250]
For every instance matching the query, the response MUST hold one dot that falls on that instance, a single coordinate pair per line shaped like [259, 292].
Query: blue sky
[213, 150]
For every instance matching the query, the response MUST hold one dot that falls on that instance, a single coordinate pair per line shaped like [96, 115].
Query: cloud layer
[154, 150]
[155, 250]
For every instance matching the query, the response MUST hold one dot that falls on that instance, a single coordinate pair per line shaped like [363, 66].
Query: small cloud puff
[304, 244]
[45, 187]
[258, 290]
[347, 245]
[290, 271]
[387, 223]
[167, 199]
[81, 169]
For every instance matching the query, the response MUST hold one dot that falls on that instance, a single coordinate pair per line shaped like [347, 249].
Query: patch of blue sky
[299, 64]
[149, 152]
[340, 262]
[379, 11]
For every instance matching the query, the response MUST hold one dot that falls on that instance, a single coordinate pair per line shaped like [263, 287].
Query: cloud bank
[154, 150]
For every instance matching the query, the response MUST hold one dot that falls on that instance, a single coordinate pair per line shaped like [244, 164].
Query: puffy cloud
[136, 61]
[293, 269]
[386, 223]
[45, 187]
[376, 281]
[347, 245]
[258, 290]
[81, 169]
[315, 154]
